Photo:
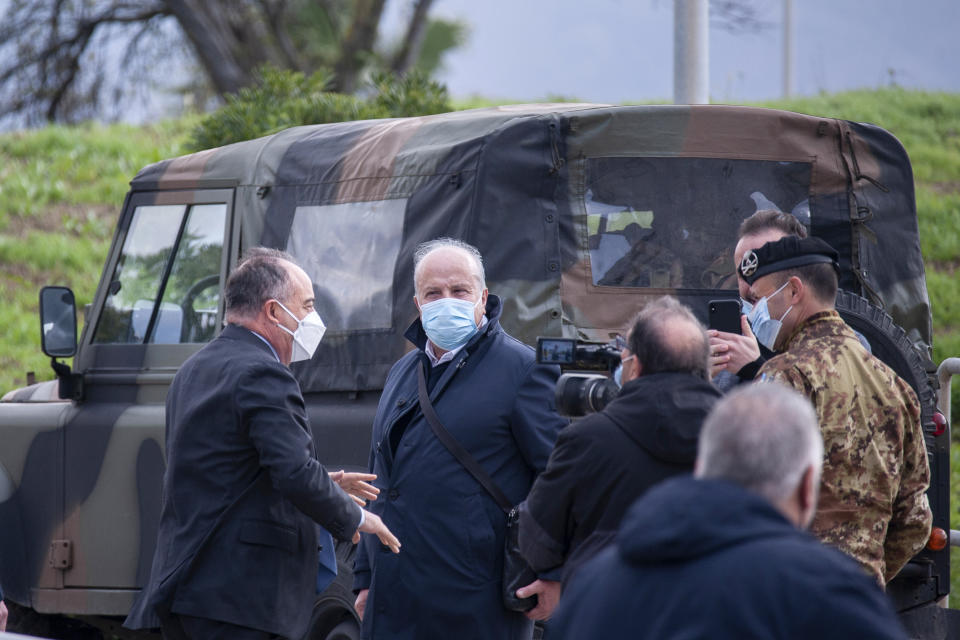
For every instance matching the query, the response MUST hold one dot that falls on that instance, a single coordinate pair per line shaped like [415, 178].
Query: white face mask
[307, 336]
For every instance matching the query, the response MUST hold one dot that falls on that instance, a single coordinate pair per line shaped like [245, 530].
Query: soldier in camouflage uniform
[873, 504]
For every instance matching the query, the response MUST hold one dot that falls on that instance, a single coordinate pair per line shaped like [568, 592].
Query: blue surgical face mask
[746, 307]
[449, 322]
[765, 328]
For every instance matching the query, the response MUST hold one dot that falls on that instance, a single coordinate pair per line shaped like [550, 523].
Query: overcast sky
[622, 50]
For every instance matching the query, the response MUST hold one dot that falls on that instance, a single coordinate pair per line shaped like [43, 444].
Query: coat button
[401, 402]
[393, 494]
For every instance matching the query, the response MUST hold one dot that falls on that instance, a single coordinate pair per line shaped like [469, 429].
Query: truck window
[672, 222]
[189, 285]
[350, 252]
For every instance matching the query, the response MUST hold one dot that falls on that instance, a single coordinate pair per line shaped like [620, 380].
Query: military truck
[582, 212]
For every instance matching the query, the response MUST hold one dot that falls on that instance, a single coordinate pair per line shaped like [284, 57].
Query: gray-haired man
[723, 555]
[498, 403]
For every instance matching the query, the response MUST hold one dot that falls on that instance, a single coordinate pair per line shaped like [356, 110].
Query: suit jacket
[241, 493]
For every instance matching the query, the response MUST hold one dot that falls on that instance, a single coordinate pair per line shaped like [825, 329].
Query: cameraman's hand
[373, 524]
[731, 352]
[548, 594]
[360, 604]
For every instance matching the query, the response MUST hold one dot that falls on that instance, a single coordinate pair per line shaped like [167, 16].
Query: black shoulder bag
[516, 572]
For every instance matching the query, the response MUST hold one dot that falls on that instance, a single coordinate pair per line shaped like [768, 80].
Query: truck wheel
[26, 621]
[890, 343]
[333, 616]
[346, 630]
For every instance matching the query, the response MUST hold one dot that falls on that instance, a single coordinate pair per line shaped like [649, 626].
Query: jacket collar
[818, 325]
[242, 334]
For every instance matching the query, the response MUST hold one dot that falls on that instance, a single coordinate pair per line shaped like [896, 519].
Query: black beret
[786, 253]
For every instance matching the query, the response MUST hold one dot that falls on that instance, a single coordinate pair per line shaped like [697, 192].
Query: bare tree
[56, 55]
[409, 50]
[738, 16]
[357, 42]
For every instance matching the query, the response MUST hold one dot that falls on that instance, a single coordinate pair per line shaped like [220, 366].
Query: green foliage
[441, 36]
[939, 224]
[26, 264]
[413, 94]
[283, 99]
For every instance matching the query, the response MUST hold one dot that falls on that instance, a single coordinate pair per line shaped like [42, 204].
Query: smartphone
[725, 315]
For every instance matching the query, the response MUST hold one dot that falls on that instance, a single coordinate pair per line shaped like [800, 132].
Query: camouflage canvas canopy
[581, 212]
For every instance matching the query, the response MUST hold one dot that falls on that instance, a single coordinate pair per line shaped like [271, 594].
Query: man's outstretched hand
[373, 524]
[356, 485]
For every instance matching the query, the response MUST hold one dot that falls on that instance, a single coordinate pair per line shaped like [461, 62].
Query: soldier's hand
[373, 524]
[3, 616]
[730, 351]
[357, 485]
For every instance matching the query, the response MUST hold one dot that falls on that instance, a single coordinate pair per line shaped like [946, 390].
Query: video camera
[581, 393]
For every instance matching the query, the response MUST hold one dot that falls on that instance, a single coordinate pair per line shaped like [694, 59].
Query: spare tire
[889, 342]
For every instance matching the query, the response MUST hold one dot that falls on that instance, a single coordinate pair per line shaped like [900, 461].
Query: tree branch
[359, 39]
[409, 51]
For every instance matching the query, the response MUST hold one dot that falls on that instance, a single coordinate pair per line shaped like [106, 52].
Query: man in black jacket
[723, 555]
[3, 613]
[603, 462]
[237, 548]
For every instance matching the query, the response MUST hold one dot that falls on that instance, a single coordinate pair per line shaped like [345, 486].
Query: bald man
[602, 463]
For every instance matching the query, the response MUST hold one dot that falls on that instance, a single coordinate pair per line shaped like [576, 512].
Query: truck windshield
[165, 287]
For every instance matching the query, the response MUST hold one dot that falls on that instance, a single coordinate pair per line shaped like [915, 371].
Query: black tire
[26, 621]
[890, 343]
[333, 616]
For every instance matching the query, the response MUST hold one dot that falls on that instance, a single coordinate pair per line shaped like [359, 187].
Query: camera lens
[581, 393]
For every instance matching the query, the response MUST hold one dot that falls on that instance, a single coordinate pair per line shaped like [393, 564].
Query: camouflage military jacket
[873, 504]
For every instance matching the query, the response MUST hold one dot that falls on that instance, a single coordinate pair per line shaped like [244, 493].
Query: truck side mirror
[58, 322]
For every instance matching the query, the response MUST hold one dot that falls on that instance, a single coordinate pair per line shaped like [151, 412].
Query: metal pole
[787, 48]
[691, 52]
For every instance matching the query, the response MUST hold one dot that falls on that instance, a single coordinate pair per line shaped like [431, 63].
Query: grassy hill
[61, 190]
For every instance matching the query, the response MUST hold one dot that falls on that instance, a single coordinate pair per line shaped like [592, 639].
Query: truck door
[159, 300]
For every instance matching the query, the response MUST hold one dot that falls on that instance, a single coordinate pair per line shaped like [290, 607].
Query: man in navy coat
[723, 555]
[492, 396]
[237, 546]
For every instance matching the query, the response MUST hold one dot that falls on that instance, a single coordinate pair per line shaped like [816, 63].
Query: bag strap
[461, 454]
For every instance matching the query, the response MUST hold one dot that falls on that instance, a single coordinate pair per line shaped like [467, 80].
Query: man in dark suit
[237, 547]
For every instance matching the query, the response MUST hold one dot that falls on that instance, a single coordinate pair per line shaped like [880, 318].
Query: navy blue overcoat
[445, 582]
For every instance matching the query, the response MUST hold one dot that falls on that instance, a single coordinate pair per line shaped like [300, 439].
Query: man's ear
[796, 288]
[416, 302]
[269, 310]
[807, 494]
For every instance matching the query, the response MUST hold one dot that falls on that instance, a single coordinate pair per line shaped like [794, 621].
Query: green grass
[61, 189]
[87, 164]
